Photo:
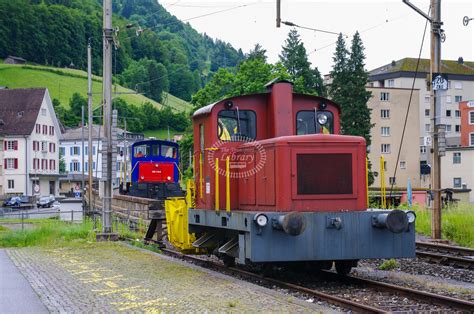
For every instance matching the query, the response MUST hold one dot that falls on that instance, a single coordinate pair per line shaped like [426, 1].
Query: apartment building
[457, 167]
[389, 107]
[460, 75]
[30, 132]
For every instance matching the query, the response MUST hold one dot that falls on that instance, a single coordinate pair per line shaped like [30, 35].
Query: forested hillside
[168, 55]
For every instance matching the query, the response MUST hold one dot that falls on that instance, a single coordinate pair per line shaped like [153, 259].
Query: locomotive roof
[161, 142]
[208, 109]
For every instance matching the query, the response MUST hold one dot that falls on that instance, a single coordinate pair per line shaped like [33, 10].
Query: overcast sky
[390, 30]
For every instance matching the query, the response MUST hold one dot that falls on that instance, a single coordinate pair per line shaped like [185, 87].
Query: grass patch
[161, 134]
[48, 233]
[3, 229]
[51, 232]
[456, 222]
[390, 264]
[62, 83]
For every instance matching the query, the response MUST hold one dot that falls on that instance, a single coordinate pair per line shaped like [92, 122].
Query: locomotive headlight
[168, 177]
[261, 220]
[411, 217]
[322, 118]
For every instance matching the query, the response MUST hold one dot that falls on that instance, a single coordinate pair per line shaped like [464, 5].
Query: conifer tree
[295, 60]
[348, 89]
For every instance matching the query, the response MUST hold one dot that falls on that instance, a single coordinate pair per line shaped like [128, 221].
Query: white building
[71, 152]
[30, 132]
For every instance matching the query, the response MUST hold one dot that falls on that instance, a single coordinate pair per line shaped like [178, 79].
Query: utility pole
[89, 120]
[437, 126]
[108, 41]
[82, 165]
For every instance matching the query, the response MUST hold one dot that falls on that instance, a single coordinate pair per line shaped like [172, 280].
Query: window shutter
[70, 150]
[5, 145]
[70, 166]
[16, 163]
[15, 145]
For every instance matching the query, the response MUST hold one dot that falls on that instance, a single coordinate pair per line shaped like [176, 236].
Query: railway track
[446, 254]
[343, 300]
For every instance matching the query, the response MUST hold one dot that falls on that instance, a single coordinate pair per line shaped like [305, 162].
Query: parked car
[12, 201]
[45, 201]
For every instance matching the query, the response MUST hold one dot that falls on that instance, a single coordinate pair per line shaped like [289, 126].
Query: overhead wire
[361, 32]
[409, 105]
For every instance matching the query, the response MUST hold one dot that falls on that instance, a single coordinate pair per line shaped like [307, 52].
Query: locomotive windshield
[168, 151]
[140, 151]
[236, 125]
[308, 123]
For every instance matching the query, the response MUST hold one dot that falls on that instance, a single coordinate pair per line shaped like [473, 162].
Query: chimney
[280, 108]
[460, 60]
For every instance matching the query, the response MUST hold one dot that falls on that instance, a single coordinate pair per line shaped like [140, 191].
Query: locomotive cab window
[308, 123]
[168, 151]
[140, 151]
[236, 125]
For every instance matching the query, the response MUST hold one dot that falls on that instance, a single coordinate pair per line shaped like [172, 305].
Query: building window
[385, 148]
[43, 111]
[44, 164]
[93, 165]
[427, 112]
[38, 128]
[36, 163]
[45, 129]
[74, 166]
[449, 99]
[457, 182]
[392, 180]
[385, 131]
[391, 83]
[448, 127]
[51, 130]
[457, 98]
[471, 117]
[384, 96]
[427, 127]
[11, 184]
[458, 85]
[62, 151]
[458, 128]
[11, 145]
[449, 84]
[11, 163]
[75, 150]
[385, 113]
[52, 147]
[86, 166]
[457, 114]
[448, 113]
[52, 164]
[427, 99]
[471, 137]
[44, 146]
[423, 149]
[93, 150]
[456, 158]
[117, 166]
[403, 164]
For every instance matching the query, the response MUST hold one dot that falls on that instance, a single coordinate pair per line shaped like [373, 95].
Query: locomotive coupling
[293, 223]
[396, 220]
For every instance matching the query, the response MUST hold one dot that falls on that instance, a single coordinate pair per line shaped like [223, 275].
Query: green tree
[257, 53]
[158, 80]
[295, 60]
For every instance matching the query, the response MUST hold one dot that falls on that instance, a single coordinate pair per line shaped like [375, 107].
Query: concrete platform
[111, 277]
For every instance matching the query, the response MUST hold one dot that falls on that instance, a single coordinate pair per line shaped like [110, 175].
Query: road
[69, 211]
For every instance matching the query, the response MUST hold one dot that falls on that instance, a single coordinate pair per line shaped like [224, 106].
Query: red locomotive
[275, 182]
